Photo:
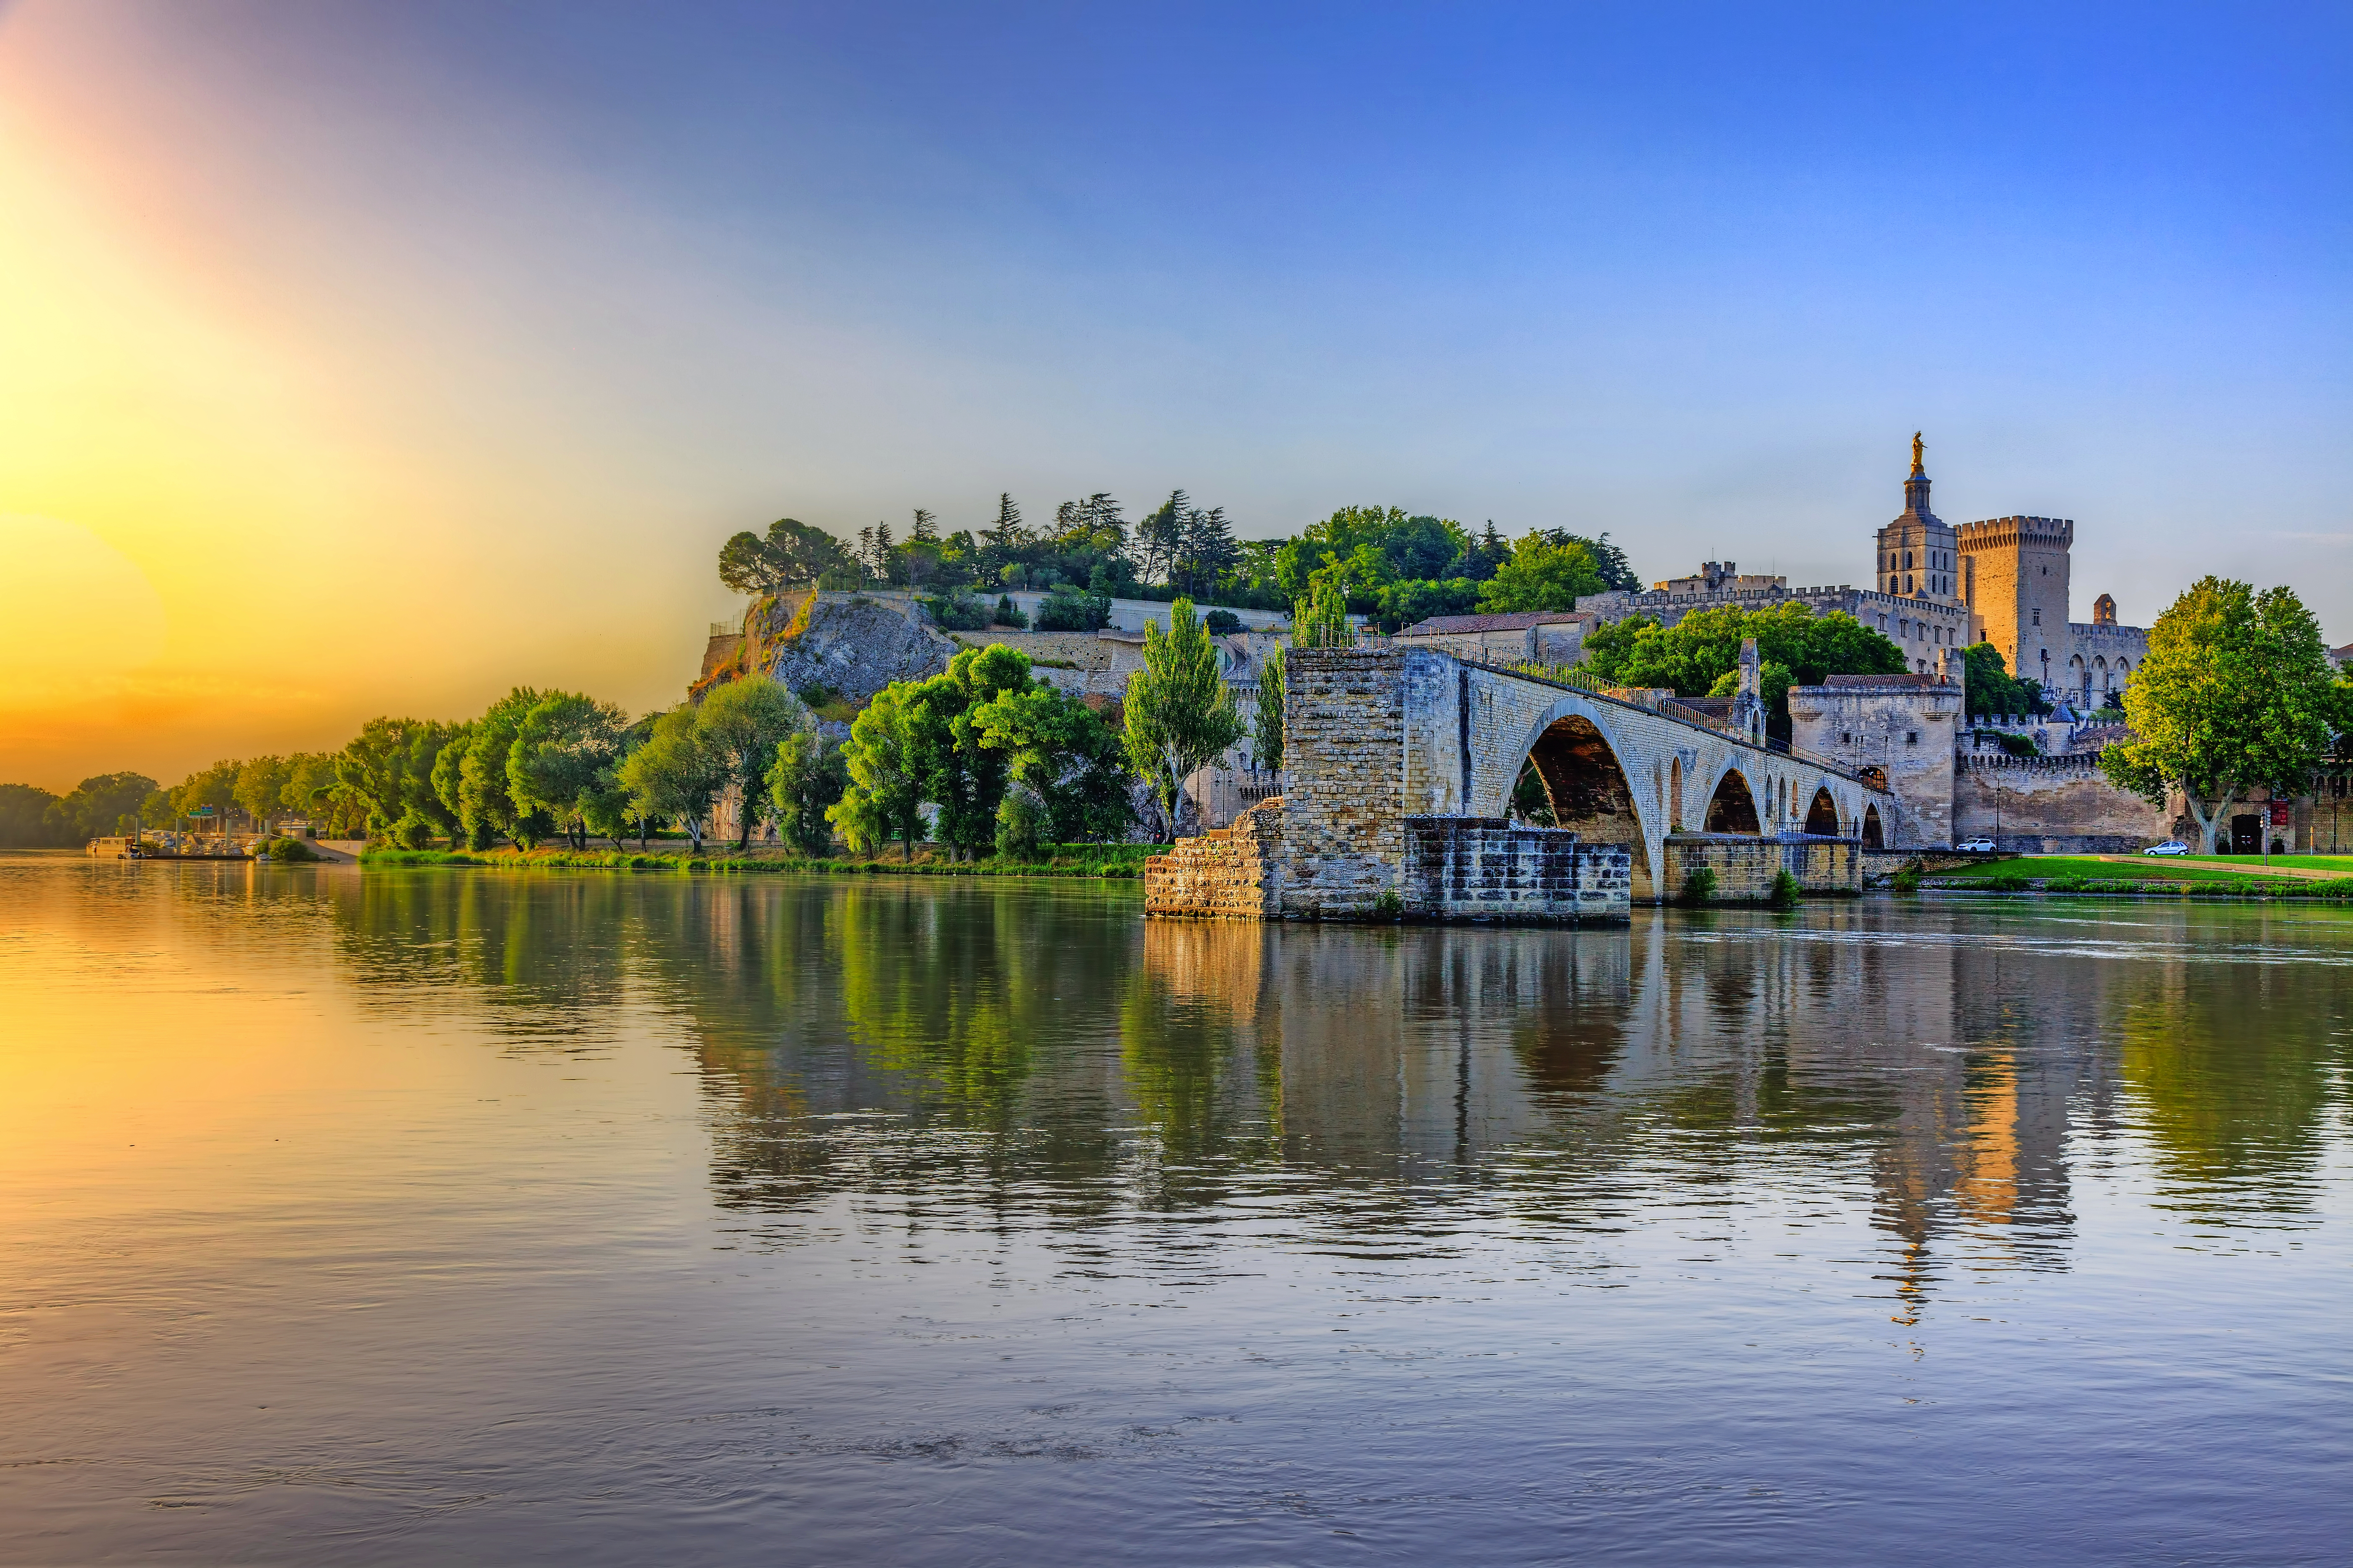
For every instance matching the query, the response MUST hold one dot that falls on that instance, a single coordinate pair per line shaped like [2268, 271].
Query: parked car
[2170, 847]
[1976, 845]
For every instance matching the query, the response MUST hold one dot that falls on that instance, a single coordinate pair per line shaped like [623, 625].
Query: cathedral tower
[1919, 555]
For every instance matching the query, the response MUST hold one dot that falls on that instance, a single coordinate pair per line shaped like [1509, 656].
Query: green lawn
[2340, 864]
[2149, 868]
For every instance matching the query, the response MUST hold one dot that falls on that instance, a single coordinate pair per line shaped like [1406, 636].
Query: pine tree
[926, 528]
[1208, 549]
[1162, 534]
[1009, 533]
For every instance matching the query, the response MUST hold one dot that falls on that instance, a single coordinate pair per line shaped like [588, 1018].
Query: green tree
[24, 819]
[884, 799]
[1321, 620]
[793, 553]
[1542, 576]
[607, 806]
[1410, 601]
[1179, 709]
[99, 805]
[486, 801]
[1067, 770]
[260, 787]
[309, 783]
[2237, 693]
[212, 789]
[955, 771]
[1699, 654]
[1989, 689]
[808, 777]
[674, 774]
[741, 724]
[564, 746]
[428, 817]
[1268, 739]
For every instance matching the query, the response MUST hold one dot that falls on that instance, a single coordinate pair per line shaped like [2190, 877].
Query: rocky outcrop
[852, 645]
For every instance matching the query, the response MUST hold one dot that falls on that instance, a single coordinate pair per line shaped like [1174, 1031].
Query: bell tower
[1919, 554]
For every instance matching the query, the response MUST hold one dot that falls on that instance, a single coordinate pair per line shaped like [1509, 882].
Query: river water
[443, 1216]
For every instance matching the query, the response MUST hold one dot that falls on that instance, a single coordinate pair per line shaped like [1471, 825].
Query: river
[436, 1215]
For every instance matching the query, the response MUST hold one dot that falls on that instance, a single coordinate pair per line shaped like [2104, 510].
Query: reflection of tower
[1919, 557]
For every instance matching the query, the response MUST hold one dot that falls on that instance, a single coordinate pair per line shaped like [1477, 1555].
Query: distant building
[1525, 637]
[1935, 586]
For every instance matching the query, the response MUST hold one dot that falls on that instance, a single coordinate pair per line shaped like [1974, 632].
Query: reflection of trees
[2231, 1068]
[1041, 1049]
[545, 954]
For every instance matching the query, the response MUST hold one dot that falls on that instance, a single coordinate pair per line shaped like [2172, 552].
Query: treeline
[33, 818]
[984, 756]
[1379, 561]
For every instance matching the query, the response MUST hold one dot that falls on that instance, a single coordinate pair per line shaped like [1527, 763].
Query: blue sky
[614, 281]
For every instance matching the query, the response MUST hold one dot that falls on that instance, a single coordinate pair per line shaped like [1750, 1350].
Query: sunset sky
[361, 358]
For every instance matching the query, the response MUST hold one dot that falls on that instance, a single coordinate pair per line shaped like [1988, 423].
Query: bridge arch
[1875, 835]
[1733, 808]
[1587, 787]
[1821, 816]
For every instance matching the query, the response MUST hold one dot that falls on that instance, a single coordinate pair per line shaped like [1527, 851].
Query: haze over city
[374, 359]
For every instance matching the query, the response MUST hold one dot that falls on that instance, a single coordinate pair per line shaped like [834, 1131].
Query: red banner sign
[2279, 814]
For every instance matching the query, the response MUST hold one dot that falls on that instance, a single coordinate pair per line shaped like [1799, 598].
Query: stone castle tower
[2014, 579]
[1919, 557]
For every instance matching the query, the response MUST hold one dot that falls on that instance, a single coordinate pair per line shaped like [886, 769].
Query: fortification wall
[2051, 805]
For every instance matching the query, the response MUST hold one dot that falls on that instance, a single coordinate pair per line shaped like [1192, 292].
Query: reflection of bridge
[1399, 767]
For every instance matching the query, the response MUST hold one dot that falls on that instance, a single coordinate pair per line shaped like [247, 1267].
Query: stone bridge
[1399, 766]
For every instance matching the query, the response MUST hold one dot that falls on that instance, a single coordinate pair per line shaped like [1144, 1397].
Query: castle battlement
[2000, 531]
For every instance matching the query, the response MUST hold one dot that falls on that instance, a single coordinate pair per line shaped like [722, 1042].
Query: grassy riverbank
[1100, 861]
[2179, 878]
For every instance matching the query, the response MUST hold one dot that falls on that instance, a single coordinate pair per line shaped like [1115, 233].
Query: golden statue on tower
[1918, 446]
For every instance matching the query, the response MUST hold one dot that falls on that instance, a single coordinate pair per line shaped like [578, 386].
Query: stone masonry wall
[1745, 867]
[1343, 809]
[1230, 873]
[2051, 805]
[1479, 869]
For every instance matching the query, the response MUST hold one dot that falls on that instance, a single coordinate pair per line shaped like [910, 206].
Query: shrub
[1390, 905]
[816, 694]
[291, 849]
[1066, 609]
[1700, 886]
[1008, 614]
[1907, 877]
[958, 611]
[1020, 822]
[414, 830]
[1786, 892]
[1222, 622]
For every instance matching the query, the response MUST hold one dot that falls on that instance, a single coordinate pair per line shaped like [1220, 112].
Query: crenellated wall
[2051, 805]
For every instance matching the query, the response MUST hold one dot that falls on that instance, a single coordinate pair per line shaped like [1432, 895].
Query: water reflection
[1038, 1048]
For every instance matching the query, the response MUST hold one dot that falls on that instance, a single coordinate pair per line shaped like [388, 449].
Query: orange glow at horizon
[236, 513]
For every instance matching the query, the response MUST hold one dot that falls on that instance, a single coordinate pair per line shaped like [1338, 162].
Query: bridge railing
[1648, 699]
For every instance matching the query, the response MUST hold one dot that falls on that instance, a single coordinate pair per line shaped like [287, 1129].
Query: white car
[1976, 845]
[2170, 847]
